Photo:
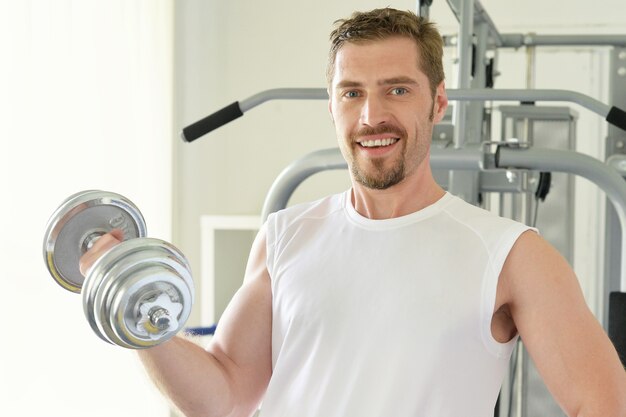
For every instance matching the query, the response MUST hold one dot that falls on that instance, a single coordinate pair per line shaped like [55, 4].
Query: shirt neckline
[394, 222]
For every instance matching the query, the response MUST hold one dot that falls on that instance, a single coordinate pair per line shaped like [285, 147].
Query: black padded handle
[617, 117]
[212, 122]
[617, 323]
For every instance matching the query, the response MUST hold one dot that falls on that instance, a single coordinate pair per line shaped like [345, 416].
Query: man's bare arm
[231, 376]
[569, 347]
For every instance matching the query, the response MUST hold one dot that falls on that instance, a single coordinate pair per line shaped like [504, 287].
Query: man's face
[383, 111]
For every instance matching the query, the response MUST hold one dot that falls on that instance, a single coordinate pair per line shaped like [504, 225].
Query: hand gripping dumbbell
[140, 292]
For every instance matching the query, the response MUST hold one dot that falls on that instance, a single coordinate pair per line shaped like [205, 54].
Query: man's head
[385, 97]
[381, 24]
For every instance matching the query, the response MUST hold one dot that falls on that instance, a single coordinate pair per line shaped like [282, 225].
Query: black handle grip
[617, 323]
[617, 117]
[212, 122]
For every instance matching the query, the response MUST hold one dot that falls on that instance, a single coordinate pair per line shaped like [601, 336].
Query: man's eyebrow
[348, 84]
[397, 80]
[386, 81]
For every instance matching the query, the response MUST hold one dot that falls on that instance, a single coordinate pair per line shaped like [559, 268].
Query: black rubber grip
[617, 323]
[212, 122]
[617, 117]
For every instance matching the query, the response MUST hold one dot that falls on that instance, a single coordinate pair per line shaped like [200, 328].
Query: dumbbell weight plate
[132, 278]
[130, 321]
[85, 214]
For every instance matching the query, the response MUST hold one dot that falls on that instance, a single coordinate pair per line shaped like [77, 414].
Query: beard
[378, 176]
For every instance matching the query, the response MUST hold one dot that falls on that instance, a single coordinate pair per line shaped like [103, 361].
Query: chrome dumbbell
[140, 292]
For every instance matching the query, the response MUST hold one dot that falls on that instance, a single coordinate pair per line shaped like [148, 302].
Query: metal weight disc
[133, 280]
[83, 215]
[149, 291]
[104, 273]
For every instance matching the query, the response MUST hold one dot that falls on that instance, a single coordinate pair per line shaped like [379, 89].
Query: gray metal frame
[518, 40]
[462, 94]
[615, 149]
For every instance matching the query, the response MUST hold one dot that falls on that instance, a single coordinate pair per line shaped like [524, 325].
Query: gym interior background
[93, 95]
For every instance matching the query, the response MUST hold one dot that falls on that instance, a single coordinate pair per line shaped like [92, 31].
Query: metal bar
[613, 115]
[479, 94]
[518, 40]
[480, 15]
[579, 164]
[531, 95]
[615, 148]
[295, 173]
[283, 94]
[422, 8]
[464, 52]
[465, 124]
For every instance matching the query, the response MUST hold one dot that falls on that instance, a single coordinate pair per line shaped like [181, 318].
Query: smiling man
[393, 298]
[384, 110]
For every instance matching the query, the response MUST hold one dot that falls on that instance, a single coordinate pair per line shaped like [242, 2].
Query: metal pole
[516, 40]
[422, 8]
[464, 52]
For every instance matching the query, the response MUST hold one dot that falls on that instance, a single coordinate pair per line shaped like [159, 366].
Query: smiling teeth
[378, 142]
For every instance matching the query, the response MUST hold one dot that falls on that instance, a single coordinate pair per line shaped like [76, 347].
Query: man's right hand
[99, 248]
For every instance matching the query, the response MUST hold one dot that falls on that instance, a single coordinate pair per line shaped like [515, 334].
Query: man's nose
[374, 112]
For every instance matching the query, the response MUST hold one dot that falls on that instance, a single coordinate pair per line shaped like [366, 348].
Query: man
[393, 298]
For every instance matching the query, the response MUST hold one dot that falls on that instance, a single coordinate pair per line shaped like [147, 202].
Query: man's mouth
[375, 143]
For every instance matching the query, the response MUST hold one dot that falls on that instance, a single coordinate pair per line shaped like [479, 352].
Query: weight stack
[617, 323]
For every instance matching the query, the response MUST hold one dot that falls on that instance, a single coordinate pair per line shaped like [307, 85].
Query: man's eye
[352, 94]
[399, 91]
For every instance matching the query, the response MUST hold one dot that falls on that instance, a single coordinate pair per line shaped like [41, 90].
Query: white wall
[85, 102]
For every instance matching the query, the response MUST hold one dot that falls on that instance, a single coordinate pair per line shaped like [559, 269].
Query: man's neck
[408, 196]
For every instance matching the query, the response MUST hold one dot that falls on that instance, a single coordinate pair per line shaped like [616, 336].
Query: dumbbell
[139, 293]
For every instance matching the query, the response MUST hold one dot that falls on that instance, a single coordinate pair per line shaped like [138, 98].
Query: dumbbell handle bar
[90, 239]
[611, 114]
[160, 318]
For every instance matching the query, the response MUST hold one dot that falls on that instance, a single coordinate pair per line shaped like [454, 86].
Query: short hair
[380, 24]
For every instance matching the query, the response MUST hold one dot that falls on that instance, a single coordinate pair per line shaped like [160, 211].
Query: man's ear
[441, 102]
[330, 105]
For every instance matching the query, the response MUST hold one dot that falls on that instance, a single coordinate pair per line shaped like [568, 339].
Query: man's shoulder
[488, 225]
[469, 213]
[316, 209]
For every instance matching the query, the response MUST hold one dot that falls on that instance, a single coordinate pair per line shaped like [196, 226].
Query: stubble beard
[379, 176]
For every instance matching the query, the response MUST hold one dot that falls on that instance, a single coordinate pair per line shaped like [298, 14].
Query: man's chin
[379, 182]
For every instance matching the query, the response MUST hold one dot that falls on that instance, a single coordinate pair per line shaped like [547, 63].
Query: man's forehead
[394, 49]
[387, 61]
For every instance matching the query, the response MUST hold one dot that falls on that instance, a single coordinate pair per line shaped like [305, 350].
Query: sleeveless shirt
[385, 317]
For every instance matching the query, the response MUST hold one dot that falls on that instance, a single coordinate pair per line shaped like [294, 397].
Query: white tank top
[385, 317]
